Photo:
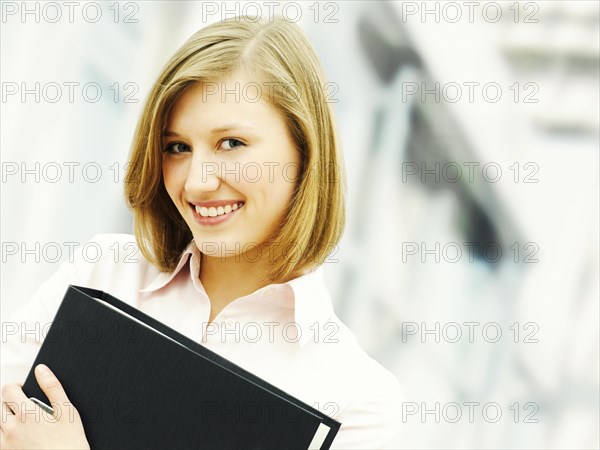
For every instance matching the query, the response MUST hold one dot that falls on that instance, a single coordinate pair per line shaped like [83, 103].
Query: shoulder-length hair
[276, 52]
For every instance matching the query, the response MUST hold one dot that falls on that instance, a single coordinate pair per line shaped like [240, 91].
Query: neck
[227, 275]
[226, 279]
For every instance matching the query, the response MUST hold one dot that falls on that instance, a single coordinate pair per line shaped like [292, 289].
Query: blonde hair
[280, 52]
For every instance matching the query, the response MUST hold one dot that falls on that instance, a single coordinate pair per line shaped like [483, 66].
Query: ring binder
[163, 390]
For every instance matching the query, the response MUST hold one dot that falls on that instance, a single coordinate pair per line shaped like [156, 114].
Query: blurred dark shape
[424, 147]
[434, 136]
[387, 57]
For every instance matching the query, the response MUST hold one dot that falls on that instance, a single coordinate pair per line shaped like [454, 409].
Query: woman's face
[229, 165]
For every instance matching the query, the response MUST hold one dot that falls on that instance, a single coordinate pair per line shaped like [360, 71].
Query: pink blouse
[286, 333]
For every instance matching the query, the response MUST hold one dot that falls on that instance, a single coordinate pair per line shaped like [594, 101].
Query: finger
[13, 393]
[8, 409]
[50, 385]
[8, 416]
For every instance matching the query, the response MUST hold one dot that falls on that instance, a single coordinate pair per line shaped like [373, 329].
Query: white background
[388, 297]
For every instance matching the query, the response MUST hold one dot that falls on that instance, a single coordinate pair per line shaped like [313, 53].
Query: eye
[177, 147]
[232, 143]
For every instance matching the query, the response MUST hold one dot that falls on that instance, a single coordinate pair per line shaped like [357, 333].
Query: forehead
[238, 97]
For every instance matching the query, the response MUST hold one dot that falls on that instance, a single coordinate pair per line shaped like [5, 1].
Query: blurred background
[470, 132]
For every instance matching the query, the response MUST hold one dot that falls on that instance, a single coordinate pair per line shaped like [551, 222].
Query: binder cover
[139, 384]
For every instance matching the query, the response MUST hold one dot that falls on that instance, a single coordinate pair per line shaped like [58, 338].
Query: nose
[203, 175]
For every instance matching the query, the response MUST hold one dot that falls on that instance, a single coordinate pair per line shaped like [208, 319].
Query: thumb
[50, 385]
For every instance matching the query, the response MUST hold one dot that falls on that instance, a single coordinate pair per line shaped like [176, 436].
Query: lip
[216, 203]
[217, 220]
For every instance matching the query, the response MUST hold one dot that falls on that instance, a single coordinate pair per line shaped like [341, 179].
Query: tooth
[227, 209]
[212, 211]
[198, 209]
[234, 207]
[204, 211]
[220, 211]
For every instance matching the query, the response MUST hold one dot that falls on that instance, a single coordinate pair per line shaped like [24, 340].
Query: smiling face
[229, 165]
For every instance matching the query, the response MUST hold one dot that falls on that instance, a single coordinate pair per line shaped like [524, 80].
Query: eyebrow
[217, 130]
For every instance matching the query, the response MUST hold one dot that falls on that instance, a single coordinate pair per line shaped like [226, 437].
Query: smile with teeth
[218, 211]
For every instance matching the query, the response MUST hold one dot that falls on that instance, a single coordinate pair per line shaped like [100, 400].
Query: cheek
[279, 190]
[287, 183]
[287, 177]
[289, 174]
[172, 178]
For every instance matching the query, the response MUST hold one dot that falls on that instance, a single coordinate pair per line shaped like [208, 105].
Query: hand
[26, 426]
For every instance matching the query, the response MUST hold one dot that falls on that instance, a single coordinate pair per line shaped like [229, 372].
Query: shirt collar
[312, 305]
[310, 297]
[163, 278]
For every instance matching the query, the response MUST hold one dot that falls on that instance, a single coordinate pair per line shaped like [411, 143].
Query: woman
[237, 190]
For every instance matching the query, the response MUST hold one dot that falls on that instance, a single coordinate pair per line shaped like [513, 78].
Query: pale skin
[260, 137]
[26, 426]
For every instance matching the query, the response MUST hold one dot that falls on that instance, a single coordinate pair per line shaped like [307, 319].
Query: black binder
[138, 384]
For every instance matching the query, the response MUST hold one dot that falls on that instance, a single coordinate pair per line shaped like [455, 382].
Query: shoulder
[112, 260]
[367, 395]
[365, 373]
[108, 248]
[111, 263]
[107, 262]
[109, 242]
[339, 345]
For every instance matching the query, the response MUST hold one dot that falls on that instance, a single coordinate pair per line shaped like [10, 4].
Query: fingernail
[43, 370]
